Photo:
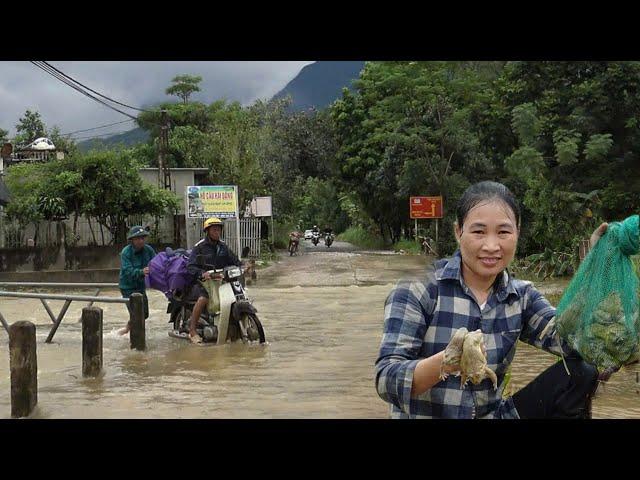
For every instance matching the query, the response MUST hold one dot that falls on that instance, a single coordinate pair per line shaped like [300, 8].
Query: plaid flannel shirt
[415, 328]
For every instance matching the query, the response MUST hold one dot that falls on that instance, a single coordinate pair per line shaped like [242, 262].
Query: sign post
[425, 207]
[212, 201]
[239, 245]
[262, 207]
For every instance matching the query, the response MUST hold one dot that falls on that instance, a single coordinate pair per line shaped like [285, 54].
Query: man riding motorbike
[215, 252]
[328, 236]
[294, 240]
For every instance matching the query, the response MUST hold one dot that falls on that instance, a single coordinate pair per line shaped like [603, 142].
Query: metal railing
[58, 285]
[57, 320]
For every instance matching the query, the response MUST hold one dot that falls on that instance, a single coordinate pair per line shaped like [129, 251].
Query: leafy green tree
[408, 130]
[25, 183]
[319, 204]
[183, 86]
[104, 185]
[4, 136]
[62, 143]
[112, 190]
[29, 127]
[576, 146]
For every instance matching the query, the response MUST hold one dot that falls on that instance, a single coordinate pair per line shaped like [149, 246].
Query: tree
[105, 185]
[112, 190]
[4, 136]
[576, 145]
[183, 86]
[65, 144]
[29, 127]
[409, 129]
[319, 203]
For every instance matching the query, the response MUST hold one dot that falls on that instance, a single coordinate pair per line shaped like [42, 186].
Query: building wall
[180, 179]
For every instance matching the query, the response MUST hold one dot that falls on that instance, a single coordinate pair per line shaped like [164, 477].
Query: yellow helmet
[212, 221]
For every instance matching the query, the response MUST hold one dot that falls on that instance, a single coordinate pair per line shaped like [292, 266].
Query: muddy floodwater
[322, 314]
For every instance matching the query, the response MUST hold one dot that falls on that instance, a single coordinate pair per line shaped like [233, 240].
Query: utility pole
[164, 172]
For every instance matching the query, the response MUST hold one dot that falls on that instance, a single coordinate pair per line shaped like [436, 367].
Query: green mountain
[320, 83]
[127, 139]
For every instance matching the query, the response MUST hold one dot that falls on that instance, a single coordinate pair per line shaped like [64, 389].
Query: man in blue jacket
[134, 261]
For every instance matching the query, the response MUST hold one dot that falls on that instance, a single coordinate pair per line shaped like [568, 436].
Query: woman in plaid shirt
[473, 289]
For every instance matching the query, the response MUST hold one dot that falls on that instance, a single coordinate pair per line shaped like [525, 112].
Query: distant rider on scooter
[294, 241]
[215, 252]
[328, 236]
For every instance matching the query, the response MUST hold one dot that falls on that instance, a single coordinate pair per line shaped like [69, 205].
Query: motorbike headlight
[234, 272]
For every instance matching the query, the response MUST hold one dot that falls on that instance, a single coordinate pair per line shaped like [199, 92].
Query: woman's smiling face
[488, 238]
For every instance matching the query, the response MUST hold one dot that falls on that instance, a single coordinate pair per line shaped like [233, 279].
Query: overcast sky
[24, 86]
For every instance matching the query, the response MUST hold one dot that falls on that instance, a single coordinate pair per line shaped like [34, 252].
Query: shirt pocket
[501, 336]
[509, 337]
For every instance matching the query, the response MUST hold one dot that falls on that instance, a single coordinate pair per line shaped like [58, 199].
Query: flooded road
[322, 314]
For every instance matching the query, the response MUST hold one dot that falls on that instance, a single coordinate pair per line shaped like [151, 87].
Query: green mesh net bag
[598, 313]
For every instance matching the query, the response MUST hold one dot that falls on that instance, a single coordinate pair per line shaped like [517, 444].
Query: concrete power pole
[164, 172]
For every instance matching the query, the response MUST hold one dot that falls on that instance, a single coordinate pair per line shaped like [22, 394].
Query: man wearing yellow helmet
[214, 252]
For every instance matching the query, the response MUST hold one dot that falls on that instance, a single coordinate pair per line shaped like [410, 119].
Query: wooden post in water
[24, 368]
[91, 341]
[137, 333]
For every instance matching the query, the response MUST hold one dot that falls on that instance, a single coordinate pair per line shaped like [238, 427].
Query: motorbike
[328, 239]
[315, 238]
[230, 317]
[294, 242]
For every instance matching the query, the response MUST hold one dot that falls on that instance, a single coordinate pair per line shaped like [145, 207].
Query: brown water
[322, 314]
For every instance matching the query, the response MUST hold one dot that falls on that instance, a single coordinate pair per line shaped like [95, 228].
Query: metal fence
[250, 234]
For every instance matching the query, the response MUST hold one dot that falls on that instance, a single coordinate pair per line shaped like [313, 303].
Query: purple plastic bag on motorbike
[157, 278]
[168, 272]
[177, 275]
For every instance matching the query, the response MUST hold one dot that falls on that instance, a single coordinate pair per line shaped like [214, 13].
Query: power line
[91, 90]
[54, 74]
[64, 80]
[96, 128]
[101, 135]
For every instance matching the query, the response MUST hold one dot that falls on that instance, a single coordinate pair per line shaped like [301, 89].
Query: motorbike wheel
[178, 318]
[254, 327]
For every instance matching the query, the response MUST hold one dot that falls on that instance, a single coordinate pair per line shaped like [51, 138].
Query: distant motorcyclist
[315, 235]
[328, 236]
[216, 253]
[294, 240]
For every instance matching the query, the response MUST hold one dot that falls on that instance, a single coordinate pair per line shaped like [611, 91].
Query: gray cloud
[23, 86]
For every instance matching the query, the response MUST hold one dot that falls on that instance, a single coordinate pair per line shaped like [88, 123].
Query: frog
[473, 362]
[453, 352]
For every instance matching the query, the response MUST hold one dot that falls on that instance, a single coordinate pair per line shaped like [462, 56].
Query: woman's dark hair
[482, 192]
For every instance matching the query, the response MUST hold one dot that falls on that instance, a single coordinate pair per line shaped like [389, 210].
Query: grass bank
[409, 246]
[362, 238]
